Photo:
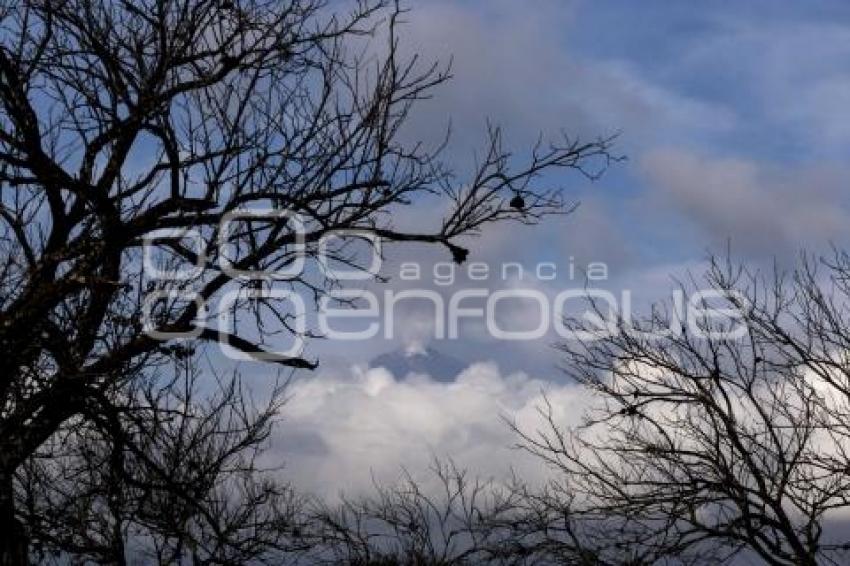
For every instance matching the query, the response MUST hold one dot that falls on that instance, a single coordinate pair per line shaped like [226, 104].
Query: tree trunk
[13, 540]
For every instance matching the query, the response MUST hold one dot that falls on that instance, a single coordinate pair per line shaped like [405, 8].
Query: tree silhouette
[171, 475]
[708, 442]
[120, 119]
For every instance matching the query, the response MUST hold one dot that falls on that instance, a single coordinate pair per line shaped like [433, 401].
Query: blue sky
[733, 118]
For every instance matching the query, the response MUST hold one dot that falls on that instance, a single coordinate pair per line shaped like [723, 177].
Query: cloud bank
[342, 430]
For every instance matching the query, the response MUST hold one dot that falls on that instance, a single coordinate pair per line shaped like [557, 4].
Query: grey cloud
[511, 65]
[762, 211]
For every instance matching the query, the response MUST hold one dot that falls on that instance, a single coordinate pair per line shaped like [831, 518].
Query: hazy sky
[732, 116]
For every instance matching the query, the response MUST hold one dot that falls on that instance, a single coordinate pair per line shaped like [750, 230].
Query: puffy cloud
[340, 431]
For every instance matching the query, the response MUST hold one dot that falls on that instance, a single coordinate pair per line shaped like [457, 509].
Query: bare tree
[459, 519]
[718, 431]
[163, 475]
[454, 520]
[119, 119]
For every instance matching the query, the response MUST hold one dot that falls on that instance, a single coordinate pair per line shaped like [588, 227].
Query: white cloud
[341, 430]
